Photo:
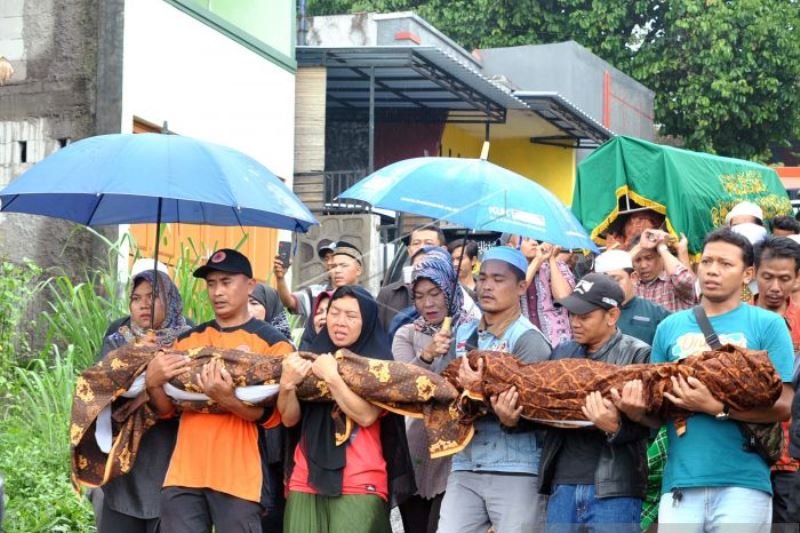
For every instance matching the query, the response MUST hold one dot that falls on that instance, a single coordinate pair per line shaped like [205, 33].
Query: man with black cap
[216, 475]
[597, 475]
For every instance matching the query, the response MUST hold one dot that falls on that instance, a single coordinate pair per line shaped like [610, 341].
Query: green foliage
[196, 304]
[43, 399]
[34, 440]
[725, 73]
[18, 284]
[80, 313]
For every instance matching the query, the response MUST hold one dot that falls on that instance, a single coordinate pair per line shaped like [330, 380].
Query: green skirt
[310, 513]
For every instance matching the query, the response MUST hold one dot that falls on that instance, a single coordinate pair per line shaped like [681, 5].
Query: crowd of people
[284, 467]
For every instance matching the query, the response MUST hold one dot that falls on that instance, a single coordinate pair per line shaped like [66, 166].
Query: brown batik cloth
[398, 387]
[551, 392]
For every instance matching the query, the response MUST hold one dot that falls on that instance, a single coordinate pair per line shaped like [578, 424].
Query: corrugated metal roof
[568, 117]
[429, 78]
[415, 77]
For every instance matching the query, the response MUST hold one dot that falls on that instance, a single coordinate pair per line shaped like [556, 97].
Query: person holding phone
[662, 277]
[300, 302]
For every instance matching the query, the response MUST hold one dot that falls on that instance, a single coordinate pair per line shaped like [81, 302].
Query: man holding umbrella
[216, 475]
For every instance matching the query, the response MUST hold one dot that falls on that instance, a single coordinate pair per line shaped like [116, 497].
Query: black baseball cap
[325, 246]
[225, 260]
[593, 291]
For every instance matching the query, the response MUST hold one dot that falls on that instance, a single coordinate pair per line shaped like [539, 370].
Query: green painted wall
[269, 21]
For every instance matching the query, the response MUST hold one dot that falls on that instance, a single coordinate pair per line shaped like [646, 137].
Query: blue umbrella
[130, 179]
[473, 193]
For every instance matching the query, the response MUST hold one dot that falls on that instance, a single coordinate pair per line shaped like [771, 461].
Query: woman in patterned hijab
[168, 322]
[131, 502]
[436, 295]
[437, 268]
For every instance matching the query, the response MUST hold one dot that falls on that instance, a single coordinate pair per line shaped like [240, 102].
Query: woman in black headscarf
[316, 322]
[349, 487]
[265, 304]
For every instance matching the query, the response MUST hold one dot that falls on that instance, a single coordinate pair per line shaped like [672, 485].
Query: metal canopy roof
[582, 131]
[411, 77]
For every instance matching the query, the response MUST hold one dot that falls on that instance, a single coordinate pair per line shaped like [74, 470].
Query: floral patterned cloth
[553, 321]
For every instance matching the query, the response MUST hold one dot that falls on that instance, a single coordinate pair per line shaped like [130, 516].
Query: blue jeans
[715, 510]
[577, 508]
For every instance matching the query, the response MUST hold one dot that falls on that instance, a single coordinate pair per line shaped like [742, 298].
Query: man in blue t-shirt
[711, 481]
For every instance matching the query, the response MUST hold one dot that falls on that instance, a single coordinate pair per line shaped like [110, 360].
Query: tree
[725, 72]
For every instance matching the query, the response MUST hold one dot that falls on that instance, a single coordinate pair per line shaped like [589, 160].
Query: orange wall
[260, 246]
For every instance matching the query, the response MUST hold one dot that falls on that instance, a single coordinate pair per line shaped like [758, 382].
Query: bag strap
[705, 326]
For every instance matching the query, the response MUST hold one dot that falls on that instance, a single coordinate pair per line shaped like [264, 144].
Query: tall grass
[79, 316]
[196, 304]
[36, 393]
[44, 394]
[18, 285]
[34, 449]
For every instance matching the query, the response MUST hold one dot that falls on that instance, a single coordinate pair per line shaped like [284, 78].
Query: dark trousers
[785, 501]
[185, 510]
[421, 515]
[116, 522]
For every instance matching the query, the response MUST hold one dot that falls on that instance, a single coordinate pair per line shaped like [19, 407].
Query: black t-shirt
[578, 457]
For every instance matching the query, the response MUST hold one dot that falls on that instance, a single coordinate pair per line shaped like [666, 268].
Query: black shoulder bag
[764, 439]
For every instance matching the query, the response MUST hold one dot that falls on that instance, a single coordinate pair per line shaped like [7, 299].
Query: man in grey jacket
[598, 474]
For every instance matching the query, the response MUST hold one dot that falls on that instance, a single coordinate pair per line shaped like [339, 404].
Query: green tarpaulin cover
[694, 190]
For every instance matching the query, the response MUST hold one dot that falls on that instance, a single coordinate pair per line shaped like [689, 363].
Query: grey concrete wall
[576, 74]
[360, 230]
[54, 47]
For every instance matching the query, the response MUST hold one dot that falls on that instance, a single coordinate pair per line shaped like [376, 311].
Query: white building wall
[206, 85]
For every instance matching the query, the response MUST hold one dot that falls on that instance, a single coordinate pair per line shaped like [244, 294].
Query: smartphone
[284, 252]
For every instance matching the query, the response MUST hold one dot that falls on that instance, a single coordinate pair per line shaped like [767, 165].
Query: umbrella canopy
[130, 179]
[473, 193]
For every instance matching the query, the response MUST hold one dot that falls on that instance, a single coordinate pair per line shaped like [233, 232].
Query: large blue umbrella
[473, 193]
[130, 179]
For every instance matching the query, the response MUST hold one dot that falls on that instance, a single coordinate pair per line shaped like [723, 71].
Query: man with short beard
[777, 266]
[712, 481]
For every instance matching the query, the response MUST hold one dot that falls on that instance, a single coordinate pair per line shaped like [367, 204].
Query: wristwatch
[724, 414]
